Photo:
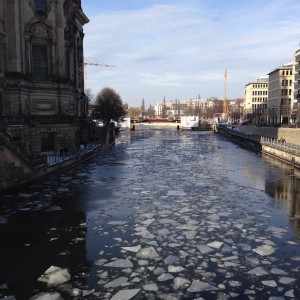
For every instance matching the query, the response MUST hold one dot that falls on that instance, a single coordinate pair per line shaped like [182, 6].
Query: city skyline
[181, 49]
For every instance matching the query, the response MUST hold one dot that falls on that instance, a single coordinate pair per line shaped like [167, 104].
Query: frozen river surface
[160, 215]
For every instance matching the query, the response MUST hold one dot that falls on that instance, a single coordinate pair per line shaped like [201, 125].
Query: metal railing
[281, 144]
[64, 154]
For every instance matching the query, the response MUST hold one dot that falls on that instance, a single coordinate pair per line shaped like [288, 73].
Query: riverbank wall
[16, 171]
[280, 143]
[290, 135]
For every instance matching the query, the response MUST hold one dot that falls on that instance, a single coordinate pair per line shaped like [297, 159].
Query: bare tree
[109, 106]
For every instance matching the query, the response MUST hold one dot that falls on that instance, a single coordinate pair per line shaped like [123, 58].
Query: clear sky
[181, 48]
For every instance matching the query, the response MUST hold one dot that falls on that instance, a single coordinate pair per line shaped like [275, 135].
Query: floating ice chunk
[171, 259]
[290, 294]
[204, 249]
[3, 220]
[233, 257]
[234, 283]
[165, 277]
[184, 210]
[103, 274]
[271, 283]
[174, 245]
[146, 234]
[258, 271]
[180, 282]
[264, 250]
[121, 281]
[55, 276]
[215, 244]
[187, 227]
[287, 280]
[87, 292]
[183, 254]
[148, 222]
[230, 264]
[150, 287]
[200, 286]
[176, 193]
[3, 286]
[117, 223]
[53, 208]
[125, 294]
[158, 271]
[100, 262]
[147, 253]
[190, 235]
[120, 263]
[175, 269]
[136, 280]
[277, 271]
[163, 231]
[45, 296]
[134, 249]
[249, 292]
[143, 262]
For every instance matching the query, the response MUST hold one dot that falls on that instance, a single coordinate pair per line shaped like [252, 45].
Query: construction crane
[93, 62]
[225, 91]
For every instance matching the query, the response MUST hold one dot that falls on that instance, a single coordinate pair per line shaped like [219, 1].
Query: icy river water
[159, 215]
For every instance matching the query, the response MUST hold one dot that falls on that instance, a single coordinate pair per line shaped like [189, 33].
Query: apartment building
[296, 102]
[42, 100]
[256, 99]
[280, 95]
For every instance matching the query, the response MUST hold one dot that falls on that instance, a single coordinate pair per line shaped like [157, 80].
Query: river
[159, 215]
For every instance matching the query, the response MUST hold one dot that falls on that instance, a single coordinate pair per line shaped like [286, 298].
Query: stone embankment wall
[287, 156]
[287, 151]
[291, 135]
[15, 172]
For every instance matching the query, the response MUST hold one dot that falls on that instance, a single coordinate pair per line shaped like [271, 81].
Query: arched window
[40, 6]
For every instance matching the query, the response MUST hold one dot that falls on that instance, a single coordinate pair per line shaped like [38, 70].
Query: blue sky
[181, 48]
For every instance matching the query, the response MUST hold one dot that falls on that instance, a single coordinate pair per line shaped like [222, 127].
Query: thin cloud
[181, 49]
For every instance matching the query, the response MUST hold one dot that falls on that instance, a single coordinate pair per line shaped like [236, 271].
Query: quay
[266, 140]
[18, 167]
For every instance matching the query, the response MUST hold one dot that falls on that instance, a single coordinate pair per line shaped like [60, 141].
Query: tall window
[39, 63]
[47, 142]
[40, 6]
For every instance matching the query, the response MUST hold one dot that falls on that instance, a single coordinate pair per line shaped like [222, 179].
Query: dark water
[173, 192]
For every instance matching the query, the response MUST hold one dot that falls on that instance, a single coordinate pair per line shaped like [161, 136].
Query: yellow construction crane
[225, 91]
[93, 62]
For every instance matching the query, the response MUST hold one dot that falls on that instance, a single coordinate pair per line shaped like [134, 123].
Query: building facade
[42, 102]
[296, 102]
[256, 100]
[281, 94]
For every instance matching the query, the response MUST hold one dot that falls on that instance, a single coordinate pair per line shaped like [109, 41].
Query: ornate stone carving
[40, 30]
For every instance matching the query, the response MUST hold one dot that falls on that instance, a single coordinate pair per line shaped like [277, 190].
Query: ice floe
[55, 276]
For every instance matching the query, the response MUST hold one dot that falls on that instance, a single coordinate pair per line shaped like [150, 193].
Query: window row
[257, 93]
[287, 72]
[286, 82]
[260, 99]
[260, 86]
[285, 92]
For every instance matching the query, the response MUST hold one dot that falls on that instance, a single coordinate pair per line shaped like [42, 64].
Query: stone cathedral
[43, 107]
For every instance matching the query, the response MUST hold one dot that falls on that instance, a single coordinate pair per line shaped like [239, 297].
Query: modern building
[256, 99]
[280, 95]
[43, 107]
